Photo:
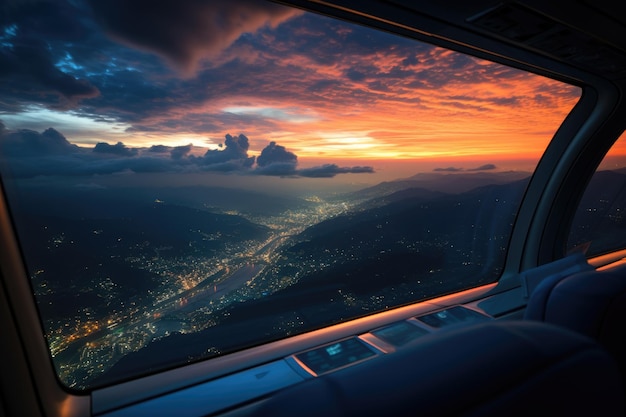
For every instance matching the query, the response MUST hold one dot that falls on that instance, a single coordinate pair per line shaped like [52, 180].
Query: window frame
[609, 252]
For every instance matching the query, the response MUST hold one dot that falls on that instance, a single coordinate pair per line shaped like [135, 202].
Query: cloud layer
[27, 154]
[485, 167]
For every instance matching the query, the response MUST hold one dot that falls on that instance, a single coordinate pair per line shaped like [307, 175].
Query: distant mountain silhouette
[437, 183]
[402, 194]
[380, 190]
[143, 228]
[228, 199]
[464, 181]
[120, 201]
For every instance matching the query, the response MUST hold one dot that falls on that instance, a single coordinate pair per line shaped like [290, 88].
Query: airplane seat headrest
[495, 368]
[591, 302]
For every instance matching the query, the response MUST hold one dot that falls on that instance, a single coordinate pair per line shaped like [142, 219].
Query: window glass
[599, 225]
[186, 183]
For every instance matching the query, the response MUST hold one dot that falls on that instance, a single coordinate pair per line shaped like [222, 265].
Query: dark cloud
[118, 149]
[28, 143]
[140, 128]
[179, 152]
[472, 102]
[323, 85]
[356, 170]
[27, 70]
[274, 153]
[286, 169]
[278, 169]
[237, 166]
[185, 31]
[176, 152]
[410, 60]
[330, 170]
[486, 167]
[51, 19]
[461, 61]
[234, 154]
[355, 75]
[27, 60]
[27, 153]
[159, 149]
[276, 160]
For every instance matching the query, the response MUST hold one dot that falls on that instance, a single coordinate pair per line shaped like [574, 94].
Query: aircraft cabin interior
[312, 208]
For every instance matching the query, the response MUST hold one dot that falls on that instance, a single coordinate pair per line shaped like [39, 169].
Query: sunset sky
[194, 86]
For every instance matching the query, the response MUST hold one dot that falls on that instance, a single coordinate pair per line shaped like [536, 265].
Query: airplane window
[183, 189]
[599, 225]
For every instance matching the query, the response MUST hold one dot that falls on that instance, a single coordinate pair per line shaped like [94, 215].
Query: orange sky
[462, 120]
[475, 113]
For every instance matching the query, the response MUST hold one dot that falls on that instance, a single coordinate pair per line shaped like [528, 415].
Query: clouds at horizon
[28, 154]
[485, 167]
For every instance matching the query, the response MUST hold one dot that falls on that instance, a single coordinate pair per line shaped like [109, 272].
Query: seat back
[495, 368]
[592, 303]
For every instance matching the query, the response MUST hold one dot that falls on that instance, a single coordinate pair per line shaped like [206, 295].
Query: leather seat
[592, 303]
[495, 368]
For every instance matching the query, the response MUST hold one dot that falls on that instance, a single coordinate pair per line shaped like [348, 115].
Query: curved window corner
[599, 225]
